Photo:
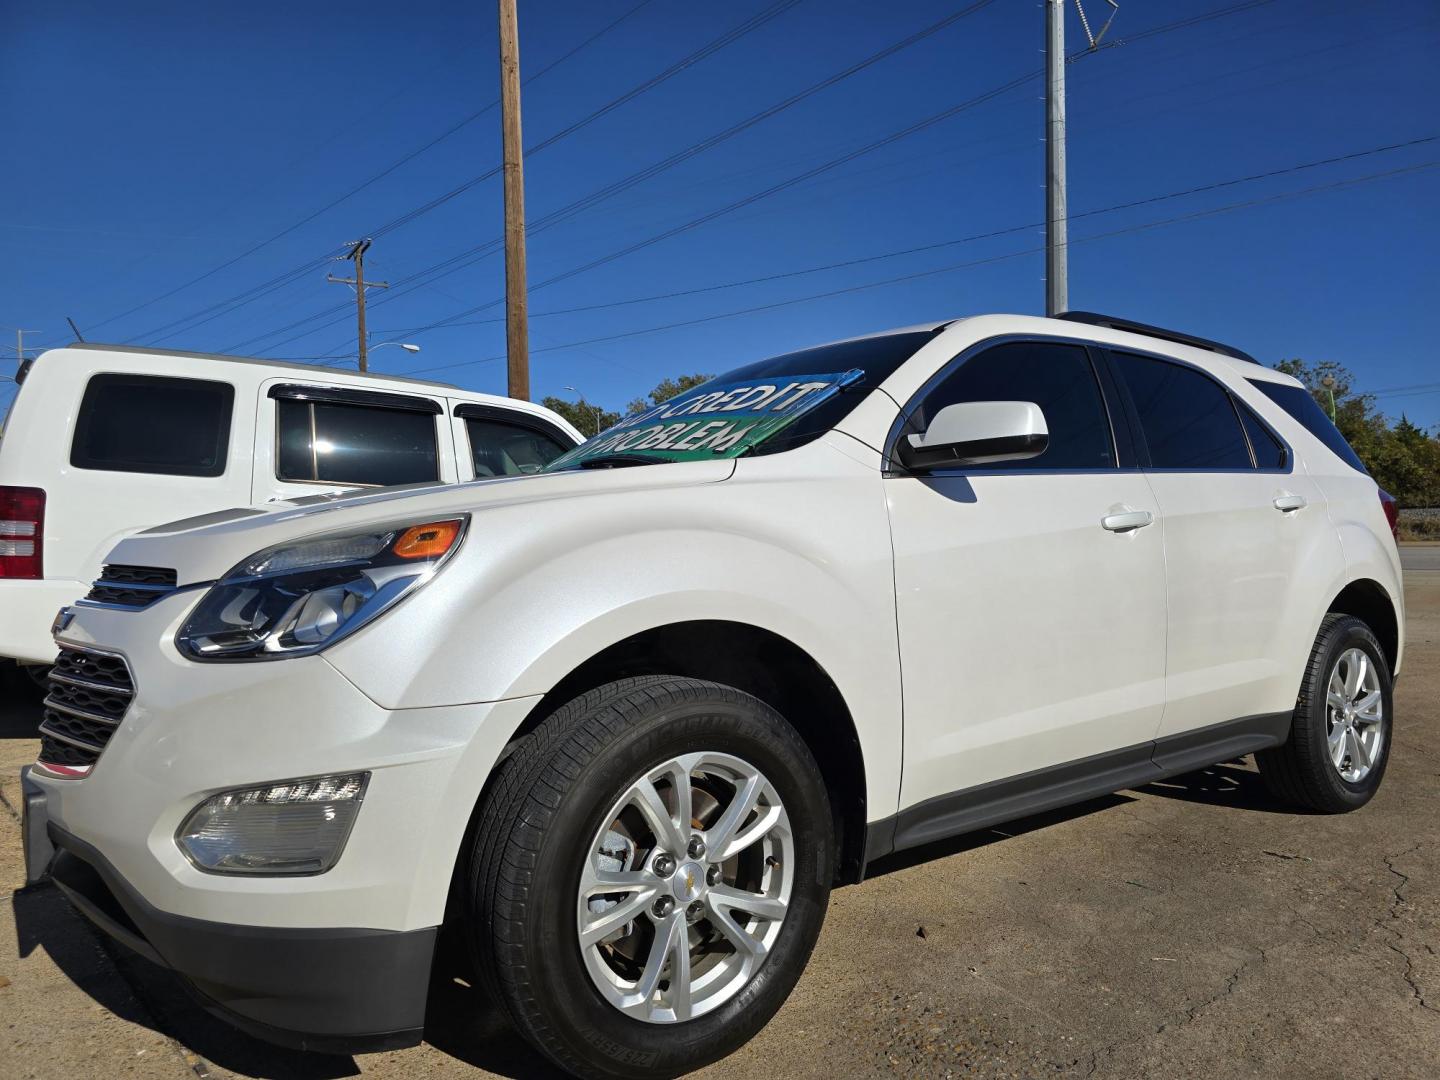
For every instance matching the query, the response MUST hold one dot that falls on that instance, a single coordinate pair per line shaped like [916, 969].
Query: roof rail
[1130, 326]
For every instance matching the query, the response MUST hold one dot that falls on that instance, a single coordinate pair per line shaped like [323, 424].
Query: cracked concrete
[1194, 928]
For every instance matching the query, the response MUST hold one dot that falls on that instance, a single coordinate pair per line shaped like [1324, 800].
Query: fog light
[289, 827]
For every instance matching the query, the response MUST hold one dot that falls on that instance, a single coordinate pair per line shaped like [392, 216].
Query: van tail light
[1392, 512]
[22, 532]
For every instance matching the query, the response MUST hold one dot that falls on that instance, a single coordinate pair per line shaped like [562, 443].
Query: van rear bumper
[27, 608]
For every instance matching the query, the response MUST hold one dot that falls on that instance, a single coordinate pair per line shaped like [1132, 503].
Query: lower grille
[89, 694]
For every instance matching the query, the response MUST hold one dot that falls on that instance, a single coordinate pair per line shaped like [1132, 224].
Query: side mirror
[977, 433]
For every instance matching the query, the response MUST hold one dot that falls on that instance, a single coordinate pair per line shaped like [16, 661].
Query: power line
[940, 245]
[774, 189]
[743, 29]
[471, 255]
[1196, 215]
[406, 159]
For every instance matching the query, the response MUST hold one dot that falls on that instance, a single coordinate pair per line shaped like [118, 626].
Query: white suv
[622, 726]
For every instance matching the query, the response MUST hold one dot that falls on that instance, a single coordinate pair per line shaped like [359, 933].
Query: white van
[104, 440]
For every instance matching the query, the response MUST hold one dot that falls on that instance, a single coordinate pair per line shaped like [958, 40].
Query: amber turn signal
[427, 541]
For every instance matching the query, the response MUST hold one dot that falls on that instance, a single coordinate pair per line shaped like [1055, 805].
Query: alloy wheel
[685, 887]
[1355, 714]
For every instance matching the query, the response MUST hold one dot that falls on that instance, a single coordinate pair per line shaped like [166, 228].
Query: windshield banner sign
[712, 421]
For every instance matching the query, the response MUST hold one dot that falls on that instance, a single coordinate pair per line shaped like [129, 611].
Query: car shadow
[1231, 783]
[461, 1020]
[19, 704]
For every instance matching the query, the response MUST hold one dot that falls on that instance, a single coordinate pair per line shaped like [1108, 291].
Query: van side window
[150, 424]
[1269, 451]
[1187, 417]
[503, 449]
[1058, 378]
[332, 443]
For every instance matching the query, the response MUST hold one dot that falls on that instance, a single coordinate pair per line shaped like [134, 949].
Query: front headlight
[298, 598]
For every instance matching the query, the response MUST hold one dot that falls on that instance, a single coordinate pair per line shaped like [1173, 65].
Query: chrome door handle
[1288, 504]
[1127, 521]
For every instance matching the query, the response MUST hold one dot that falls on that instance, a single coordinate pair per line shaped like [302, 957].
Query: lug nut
[696, 848]
[663, 907]
[694, 911]
[664, 865]
[712, 876]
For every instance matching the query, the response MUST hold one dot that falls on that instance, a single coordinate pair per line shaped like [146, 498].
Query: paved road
[1420, 558]
[1190, 928]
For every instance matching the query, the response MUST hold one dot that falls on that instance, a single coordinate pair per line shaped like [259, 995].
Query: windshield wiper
[615, 461]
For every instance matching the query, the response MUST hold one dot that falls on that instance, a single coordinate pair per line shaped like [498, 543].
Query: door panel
[1240, 523]
[1234, 591]
[1030, 635]
[1032, 631]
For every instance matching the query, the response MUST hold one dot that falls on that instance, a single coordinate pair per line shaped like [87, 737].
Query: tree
[590, 419]
[1404, 459]
[667, 389]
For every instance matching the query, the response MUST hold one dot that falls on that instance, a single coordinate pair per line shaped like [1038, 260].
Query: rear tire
[1336, 755]
[530, 889]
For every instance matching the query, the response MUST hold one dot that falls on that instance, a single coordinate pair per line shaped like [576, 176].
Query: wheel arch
[1366, 599]
[759, 662]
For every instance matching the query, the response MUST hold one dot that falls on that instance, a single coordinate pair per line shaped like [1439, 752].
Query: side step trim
[1075, 781]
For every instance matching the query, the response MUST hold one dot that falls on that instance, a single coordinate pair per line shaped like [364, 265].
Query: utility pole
[1057, 264]
[20, 349]
[1057, 239]
[356, 255]
[517, 331]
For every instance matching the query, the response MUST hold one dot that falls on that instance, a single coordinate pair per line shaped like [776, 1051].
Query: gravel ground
[1190, 928]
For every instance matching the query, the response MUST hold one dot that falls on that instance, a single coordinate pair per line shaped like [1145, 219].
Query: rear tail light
[22, 532]
[1392, 512]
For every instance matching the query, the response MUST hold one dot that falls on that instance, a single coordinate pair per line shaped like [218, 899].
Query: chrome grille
[89, 694]
[132, 586]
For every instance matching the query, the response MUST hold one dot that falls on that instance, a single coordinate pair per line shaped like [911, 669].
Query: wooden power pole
[357, 256]
[517, 331]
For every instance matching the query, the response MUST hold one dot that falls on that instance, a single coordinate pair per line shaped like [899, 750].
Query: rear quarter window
[152, 424]
[1304, 409]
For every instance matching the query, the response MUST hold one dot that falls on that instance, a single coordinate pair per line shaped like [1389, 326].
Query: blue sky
[151, 143]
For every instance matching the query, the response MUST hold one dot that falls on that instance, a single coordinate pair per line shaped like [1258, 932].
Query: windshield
[761, 408]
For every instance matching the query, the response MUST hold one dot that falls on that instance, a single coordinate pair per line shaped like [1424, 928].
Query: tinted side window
[1187, 417]
[501, 449]
[1056, 377]
[1269, 451]
[326, 442]
[149, 424]
[1296, 401]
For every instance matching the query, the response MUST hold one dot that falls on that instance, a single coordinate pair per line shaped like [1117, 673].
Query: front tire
[1340, 735]
[626, 936]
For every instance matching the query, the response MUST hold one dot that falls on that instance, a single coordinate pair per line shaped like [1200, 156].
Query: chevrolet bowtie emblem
[63, 618]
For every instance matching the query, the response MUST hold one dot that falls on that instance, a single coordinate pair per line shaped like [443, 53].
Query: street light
[1328, 382]
[403, 344]
[586, 405]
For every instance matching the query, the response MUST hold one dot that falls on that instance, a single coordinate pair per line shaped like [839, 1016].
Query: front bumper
[336, 990]
[337, 960]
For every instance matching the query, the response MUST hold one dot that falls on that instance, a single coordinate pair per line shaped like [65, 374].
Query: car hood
[204, 548]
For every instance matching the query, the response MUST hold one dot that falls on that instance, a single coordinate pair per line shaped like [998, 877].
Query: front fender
[539, 590]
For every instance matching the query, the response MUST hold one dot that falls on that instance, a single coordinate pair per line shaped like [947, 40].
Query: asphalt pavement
[1189, 928]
